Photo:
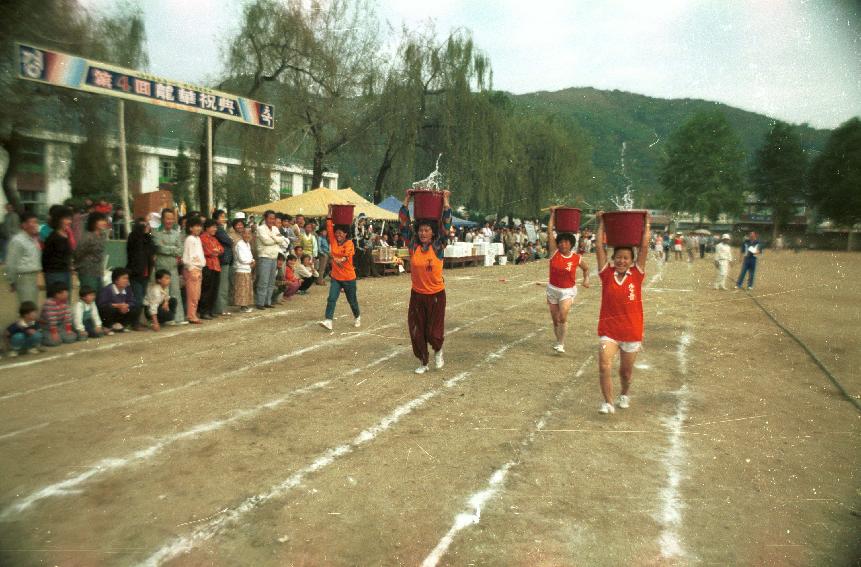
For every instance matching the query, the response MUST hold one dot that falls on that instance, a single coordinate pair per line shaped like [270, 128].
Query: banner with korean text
[62, 69]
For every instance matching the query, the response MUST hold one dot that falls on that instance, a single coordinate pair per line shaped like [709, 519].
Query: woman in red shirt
[620, 324]
[562, 287]
[212, 250]
[426, 314]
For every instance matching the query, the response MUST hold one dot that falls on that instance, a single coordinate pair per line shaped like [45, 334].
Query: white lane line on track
[471, 515]
[670, 515]
[344, 337]
[11, 395]
[132, 341]
[109, 464]
[70, 486]
[25, 430]
[211, 529]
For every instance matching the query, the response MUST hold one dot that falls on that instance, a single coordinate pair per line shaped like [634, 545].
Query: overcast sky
[795, 60]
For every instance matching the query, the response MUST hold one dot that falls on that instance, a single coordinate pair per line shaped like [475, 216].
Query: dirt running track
[265, 440]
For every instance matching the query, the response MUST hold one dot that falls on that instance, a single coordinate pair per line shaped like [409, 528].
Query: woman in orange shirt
[620, 323]
[343, 275]
[426, 315]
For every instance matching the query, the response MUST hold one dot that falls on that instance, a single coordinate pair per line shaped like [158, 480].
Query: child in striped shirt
[56, 316]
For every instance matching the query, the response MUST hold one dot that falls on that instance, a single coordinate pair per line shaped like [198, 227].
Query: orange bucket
[567, 220]
[427, 204]
[342, 214]
[624, 228]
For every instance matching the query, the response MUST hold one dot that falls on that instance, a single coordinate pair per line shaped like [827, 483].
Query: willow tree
[320, 64]
[60, 24]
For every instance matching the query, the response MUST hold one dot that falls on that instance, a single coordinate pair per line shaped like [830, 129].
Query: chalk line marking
[109, 464]
[133, 341]
[471, 515]
[25, 430]
[670, 515]
[104, 466]
[280, 358]
[39, 389]
[201, 534]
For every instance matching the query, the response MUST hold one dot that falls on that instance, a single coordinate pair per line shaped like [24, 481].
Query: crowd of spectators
[184, 269]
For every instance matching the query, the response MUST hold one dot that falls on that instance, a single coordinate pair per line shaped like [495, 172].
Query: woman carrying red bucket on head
[564, 261]
[426, 242]
[620, 324]
[343, 275]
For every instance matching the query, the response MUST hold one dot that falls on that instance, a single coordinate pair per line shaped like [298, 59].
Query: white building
[43, 175]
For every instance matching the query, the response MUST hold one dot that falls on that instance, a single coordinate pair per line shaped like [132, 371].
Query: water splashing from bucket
[624, 202]
[434, 181]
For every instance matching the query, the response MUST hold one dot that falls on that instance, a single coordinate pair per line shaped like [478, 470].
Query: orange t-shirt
[426, 271]
[563, 271]
[621, 315]
[343, 272]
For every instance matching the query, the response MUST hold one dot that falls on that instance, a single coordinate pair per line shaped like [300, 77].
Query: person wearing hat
[723, 258]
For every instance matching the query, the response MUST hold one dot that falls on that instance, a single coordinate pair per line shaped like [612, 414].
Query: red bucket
[624, 228]
[342, 214]
[567, 220]
[427, 205]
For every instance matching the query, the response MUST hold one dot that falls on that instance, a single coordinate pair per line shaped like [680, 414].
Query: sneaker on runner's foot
[624, 401]
[559, 348]
[327, 323]
[606, 408]
[358, 322]
[422, 369]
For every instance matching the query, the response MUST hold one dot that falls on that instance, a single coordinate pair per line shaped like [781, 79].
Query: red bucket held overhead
[624, 228]
[342, 214]
[427, 205]
[567, 220]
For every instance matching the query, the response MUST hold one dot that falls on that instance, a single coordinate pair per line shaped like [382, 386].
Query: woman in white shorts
[620, 321]
[562, 287]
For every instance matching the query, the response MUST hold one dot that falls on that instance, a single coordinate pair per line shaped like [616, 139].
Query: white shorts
[557, 295]
[625, 346]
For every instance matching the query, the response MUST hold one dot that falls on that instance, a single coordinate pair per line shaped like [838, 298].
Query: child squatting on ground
[24, 335]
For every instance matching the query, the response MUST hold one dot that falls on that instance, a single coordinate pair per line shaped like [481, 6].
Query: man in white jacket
[269, 243]
[723, 258]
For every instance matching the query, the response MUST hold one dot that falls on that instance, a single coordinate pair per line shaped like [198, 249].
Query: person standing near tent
[620, 323]
[426, 315]
[562, 287]
[343, 274]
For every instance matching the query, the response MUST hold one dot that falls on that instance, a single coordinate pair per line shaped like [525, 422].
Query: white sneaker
[560, 349]
[438, 360]
[624, 401]
[606, 408]
[421, 369]
[327, 323]
[34, 350]
[184, 322]
[358, 322]
[170, 324]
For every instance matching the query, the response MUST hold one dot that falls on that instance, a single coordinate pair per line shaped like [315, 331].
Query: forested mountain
[644, 123]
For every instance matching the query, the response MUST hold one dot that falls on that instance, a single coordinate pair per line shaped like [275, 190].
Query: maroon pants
[426, 320]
